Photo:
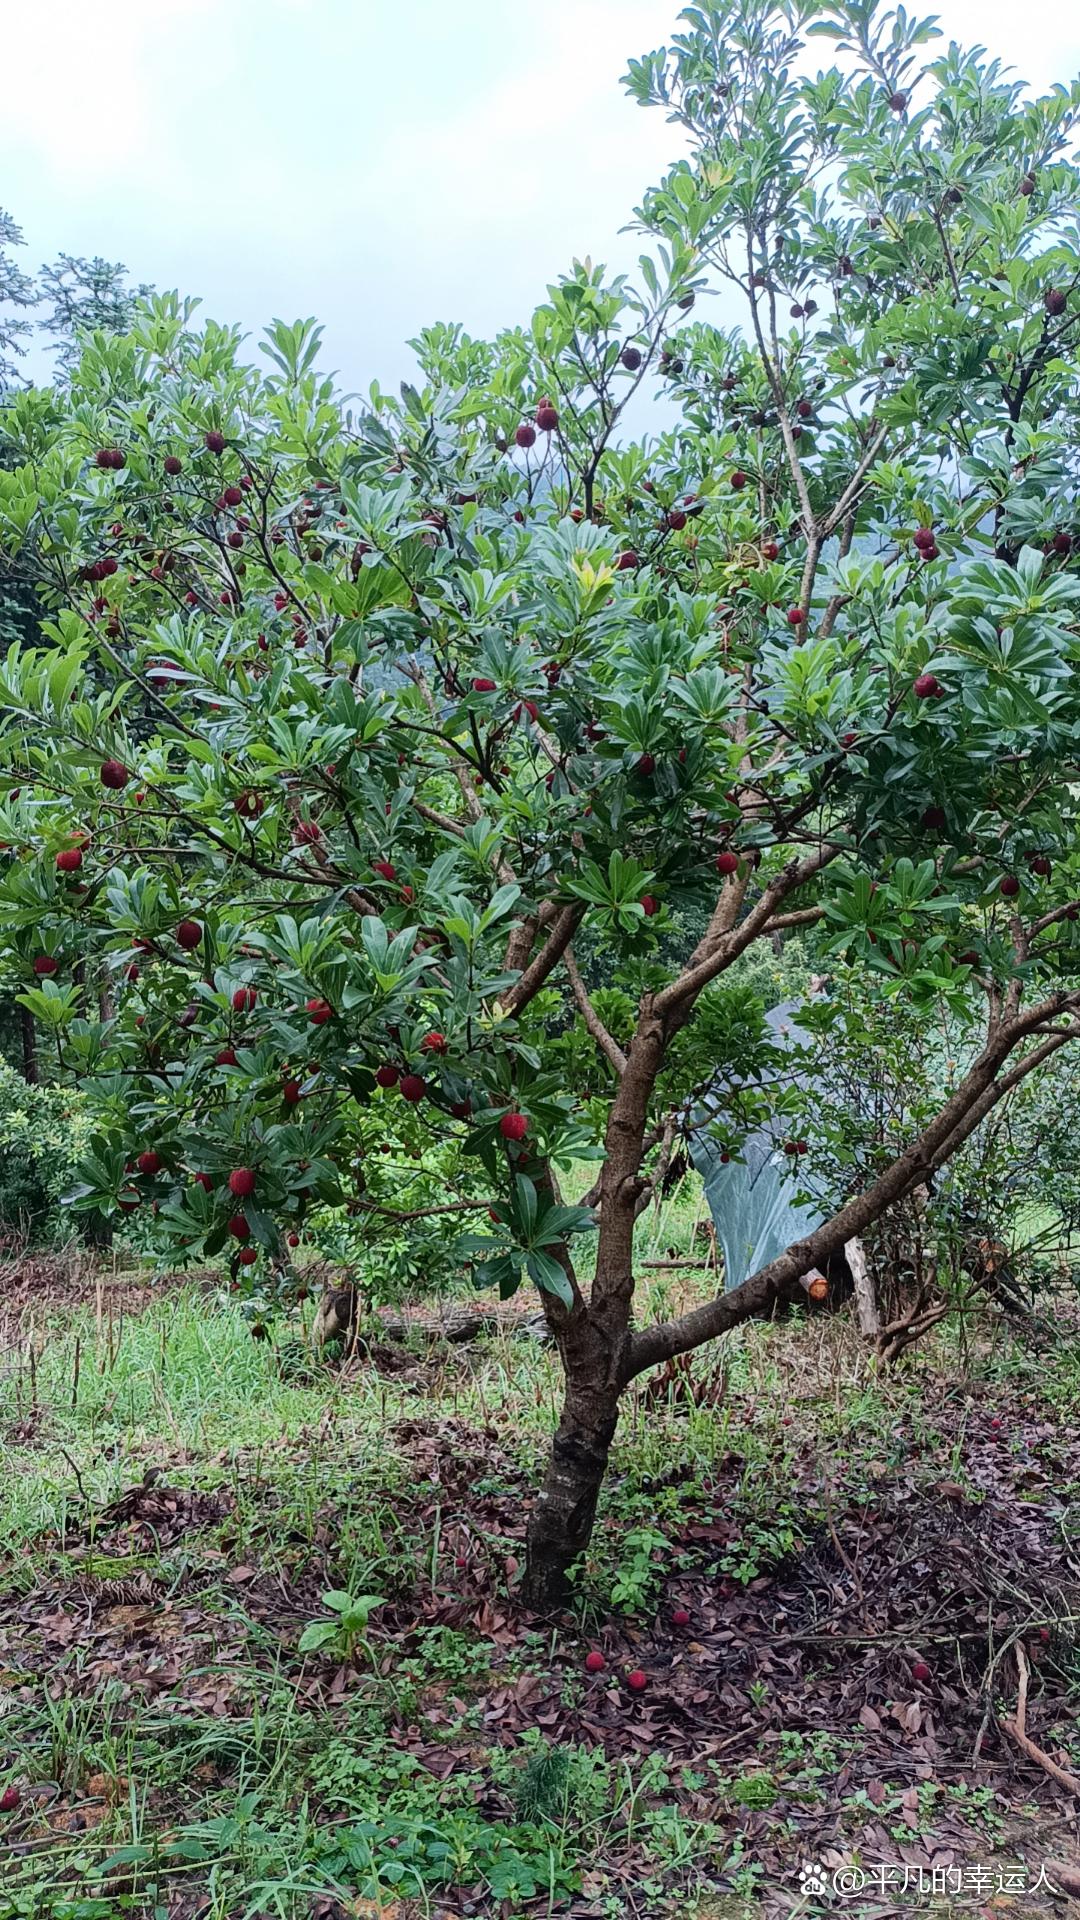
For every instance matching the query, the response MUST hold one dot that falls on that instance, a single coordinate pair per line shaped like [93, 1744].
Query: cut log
[866, 1306]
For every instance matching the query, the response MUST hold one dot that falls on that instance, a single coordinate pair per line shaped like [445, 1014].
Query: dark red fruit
[244, 999]
[204, 1181]
[646, 764]
[114, 774]
[595, 1662]
[149, 1162]
[189, 934]
[525, 436]
[919, 1670]
[637, 1681]
[242, 1182]
[384, 867]
[290, 1092]
[225, 1057]
[676, 519]
[172, 465]
[214, 441]
[70, 860]
[680, 1617]
[923, 537]
[770, 550]
[247, 1257]
[9, 1799]
[804, 409]
[386, 1076]
[412, 1087]
[795, 616]
[292, 1239]
[898, 102]
[513, 1126]
[239, 1228]
[727, 863]
[738, 480]
[649, 905]
[547, 418]
[927, 686]
[1040, 864]
[1055, 301]
[933, 819]
[433, 1043]
[1010, 886]
[483, 686]
[45, 964]
[627, 561]
[631, 358]
[319, 1012]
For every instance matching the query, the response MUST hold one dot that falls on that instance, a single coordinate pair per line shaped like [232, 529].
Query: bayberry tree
[364, 753]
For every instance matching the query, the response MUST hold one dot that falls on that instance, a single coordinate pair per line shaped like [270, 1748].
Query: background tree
[349, 732]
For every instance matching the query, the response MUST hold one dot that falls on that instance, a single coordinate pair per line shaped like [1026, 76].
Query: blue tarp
[752, 1200]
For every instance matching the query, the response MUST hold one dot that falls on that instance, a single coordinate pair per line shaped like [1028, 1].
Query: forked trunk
[561, 1523]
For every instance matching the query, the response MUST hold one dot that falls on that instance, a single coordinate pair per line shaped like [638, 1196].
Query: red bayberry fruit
[927, 686]
[247, 1257]
[45, 964]
[386, 1075]
[461, 1109]
[242, 1182]
[412, 1087]
[898, 102]
[189, 933]
[795, 616]
[292, 1239]
[627, 561]
[547, 418]
[1040, 864]
[525, 436]
[637, 1681]
[646, 764]
[738, 480]
[433, 1043]
[148, 1162]
[727, 863]
[631, 358]
[239, 1228]
[319, 1012]
[595, 1662]
[770, 550]
[1010, 886]
[483, 686]
[290, 1092]
[9, 1799]
[513, 1126]
[385, 867]
[114, 774]
[676, 519]
[920, 1670]
[225, 1057]
[649, 905]
[70, 860]
[244, 999]
[1055, 301]
[204, 1181]
[680, 1617]
[933, 818]
[214, 441]
[172, 465]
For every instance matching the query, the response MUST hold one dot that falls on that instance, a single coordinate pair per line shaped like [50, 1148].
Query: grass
[187, 1760]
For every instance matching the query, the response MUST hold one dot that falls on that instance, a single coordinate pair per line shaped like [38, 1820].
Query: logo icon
[812, 1879]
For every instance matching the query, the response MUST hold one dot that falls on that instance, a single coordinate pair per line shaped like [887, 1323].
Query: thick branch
[518, 996]
[606, 1042]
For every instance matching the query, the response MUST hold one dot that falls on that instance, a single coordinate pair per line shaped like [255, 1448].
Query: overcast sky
[378, 163]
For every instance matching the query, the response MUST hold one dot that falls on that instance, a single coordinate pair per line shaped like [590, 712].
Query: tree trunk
[561, 1523]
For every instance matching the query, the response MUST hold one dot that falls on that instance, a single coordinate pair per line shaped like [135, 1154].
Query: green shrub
[43, 1131]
